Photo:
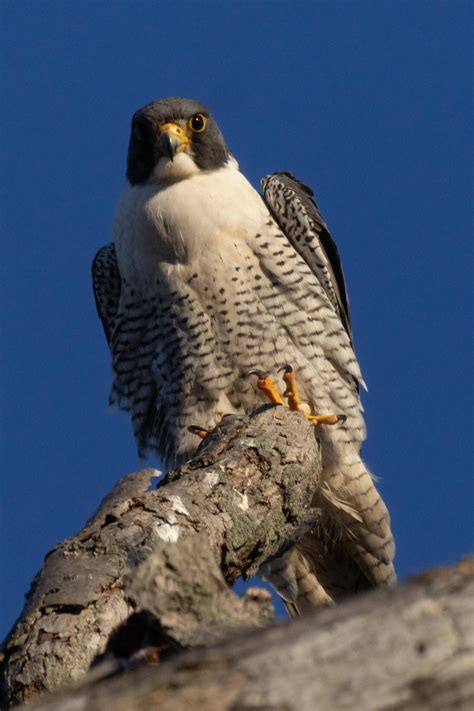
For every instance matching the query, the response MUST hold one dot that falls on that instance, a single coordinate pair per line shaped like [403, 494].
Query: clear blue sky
[368, 102]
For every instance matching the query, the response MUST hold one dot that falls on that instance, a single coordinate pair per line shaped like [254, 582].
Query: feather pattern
[106, 285]
[206, 281]
[293, 206]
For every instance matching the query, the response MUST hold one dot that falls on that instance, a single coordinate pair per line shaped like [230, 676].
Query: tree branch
[153, 568]
[144, 588]
[404, 649]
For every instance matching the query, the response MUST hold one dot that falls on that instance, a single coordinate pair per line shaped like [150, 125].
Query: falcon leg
[267, 386]
[294, 401]
[198, 431]
[325, 419]
[291, 392]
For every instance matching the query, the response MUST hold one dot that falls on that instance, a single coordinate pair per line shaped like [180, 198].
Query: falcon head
[172, 139]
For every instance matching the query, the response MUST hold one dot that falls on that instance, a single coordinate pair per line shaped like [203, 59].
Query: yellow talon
[325, 419]
[267, 386]
[291, 392]
[198, 431]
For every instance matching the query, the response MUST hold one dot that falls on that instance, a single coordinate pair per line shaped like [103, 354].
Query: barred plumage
[207, 281]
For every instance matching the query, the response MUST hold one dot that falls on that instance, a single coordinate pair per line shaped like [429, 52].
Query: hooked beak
[173, 140]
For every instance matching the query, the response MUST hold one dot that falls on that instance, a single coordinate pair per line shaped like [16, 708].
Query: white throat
[204, 213]
[170, 171]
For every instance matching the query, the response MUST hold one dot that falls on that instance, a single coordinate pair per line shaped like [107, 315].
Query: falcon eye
[197, 123]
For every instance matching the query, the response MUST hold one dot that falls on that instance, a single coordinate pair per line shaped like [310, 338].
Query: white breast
[211, 213]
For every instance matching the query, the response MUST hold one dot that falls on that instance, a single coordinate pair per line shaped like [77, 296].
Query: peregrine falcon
[207, 280]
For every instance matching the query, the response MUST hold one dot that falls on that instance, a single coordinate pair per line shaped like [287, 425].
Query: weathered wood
[147, 580]
[155, 566]
[405, 649]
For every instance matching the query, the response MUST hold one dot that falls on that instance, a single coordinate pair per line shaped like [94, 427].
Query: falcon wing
[359, 550]
[106, 283]
[134, 388]
[292, 205]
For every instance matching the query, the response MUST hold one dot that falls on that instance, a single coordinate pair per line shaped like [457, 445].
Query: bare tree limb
[144, 589]
[153, 567]
[405, 649]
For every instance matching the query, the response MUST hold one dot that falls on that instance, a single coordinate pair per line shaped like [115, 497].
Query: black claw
[259, 373]
[288, 368]
[341, 418]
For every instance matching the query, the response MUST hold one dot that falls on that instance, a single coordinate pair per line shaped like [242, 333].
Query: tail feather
[351, 549]
[293, 577]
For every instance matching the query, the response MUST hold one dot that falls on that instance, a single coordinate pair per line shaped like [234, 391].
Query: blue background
[369, 102]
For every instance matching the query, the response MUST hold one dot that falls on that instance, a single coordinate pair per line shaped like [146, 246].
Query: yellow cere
[175, 131]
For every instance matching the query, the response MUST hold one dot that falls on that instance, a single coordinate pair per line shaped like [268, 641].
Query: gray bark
[152, 569]
[144, 589]
[407, 649]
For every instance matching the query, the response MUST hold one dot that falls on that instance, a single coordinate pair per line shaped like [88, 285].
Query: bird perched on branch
[206, 283]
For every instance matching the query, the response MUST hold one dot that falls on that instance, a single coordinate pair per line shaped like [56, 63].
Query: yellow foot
[326, 419]
[202, 432]
[267, 386]
[198, 431]
[291, 391]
